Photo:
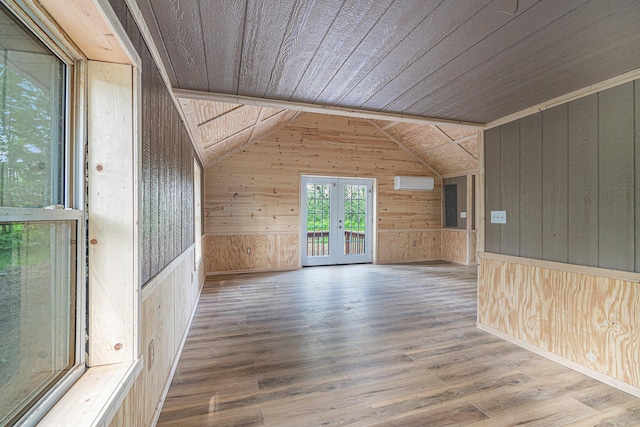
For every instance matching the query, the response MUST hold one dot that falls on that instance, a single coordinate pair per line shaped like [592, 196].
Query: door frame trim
[373, 224]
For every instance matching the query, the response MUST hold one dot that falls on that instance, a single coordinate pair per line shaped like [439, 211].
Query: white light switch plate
[463, 214]
[498, 217]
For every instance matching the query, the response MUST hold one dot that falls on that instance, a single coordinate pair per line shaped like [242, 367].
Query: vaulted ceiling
[460, 60]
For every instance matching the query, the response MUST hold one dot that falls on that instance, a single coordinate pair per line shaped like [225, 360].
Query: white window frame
[113, 354]
[73, 195]
[197, 212]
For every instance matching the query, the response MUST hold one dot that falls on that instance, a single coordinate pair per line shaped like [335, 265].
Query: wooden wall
[587, 316]
[168, 302]
[167, 164]
[171, 279]
[561, 276]
[252, 197]
[454, 245]
[567, 179]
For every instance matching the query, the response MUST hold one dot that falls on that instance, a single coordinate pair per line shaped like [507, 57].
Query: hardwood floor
[389, 345]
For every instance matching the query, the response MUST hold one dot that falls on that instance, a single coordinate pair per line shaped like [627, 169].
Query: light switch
[463, 214]
[498, 217]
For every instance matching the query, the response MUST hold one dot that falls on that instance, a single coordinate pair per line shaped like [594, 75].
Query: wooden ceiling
[468, 60]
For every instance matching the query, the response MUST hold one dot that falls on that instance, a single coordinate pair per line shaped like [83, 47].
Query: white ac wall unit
[413, 183]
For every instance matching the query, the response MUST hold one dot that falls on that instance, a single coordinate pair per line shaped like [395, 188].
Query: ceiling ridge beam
[404, 147]
[318, 108]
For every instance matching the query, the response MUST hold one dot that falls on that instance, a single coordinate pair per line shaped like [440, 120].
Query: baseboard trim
[174, 366]
[603, 378]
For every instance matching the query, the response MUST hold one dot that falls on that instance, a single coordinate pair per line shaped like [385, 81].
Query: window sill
[95, 398]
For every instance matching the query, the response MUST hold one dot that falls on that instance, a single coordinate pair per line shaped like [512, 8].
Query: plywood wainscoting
[408, 245]
[168, 304]
[252, 252]
[583, 317]
[455, 246]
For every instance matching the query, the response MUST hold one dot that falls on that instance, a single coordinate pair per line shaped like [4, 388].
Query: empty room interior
[304, 212]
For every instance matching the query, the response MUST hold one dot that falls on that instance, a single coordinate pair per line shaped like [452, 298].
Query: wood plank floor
[389, 345]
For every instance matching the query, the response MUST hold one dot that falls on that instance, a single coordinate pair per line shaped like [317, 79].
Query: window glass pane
[32, 121]
[37, 310]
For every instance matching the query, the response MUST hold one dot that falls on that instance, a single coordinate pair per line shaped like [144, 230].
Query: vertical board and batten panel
[554, 184]
[636, 86]
[585, 314]
[578, 182]
[492, 189]
[531, 186]
[509, 187]
[583, 181]
[616, 169]
[252, 197]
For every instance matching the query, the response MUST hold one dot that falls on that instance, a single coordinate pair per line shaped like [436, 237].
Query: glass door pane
[318, 219]
[355, 219]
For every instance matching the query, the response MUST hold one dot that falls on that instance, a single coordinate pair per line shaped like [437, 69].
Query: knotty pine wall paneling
[253, 195]
[171, 285]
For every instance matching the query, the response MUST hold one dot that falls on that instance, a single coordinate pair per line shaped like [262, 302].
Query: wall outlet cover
[498, 217]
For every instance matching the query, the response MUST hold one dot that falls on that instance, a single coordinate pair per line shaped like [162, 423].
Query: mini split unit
[412, 183]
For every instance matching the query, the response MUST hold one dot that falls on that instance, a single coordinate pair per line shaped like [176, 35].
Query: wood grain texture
[166, 312]
[510, 188]
[583, 181]
[590, 320]
[269, 252]
[255, 190]
[454, 246]
[616, 178]
[492, 189]
[555, 184]
[636, 86]
[392, 345]
[84, 22]
[111, 231]
[185, 47]
[531, 168]
[587, 15]
[395, 246]
[216, 18]
[167, 165]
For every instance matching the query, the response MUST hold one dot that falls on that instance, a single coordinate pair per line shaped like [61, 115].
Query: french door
[336, 220]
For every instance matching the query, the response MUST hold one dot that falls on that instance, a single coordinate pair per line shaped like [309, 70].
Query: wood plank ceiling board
[454, 60]
[385, 82]
[456, 133]
[450, 159]
[222, 57]
[554, 60]
[414, 135]
[355, 21]
[483, 28]
[398, 21]
[205, 111]
[471, 146]
[227, 125]
[181, 30]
